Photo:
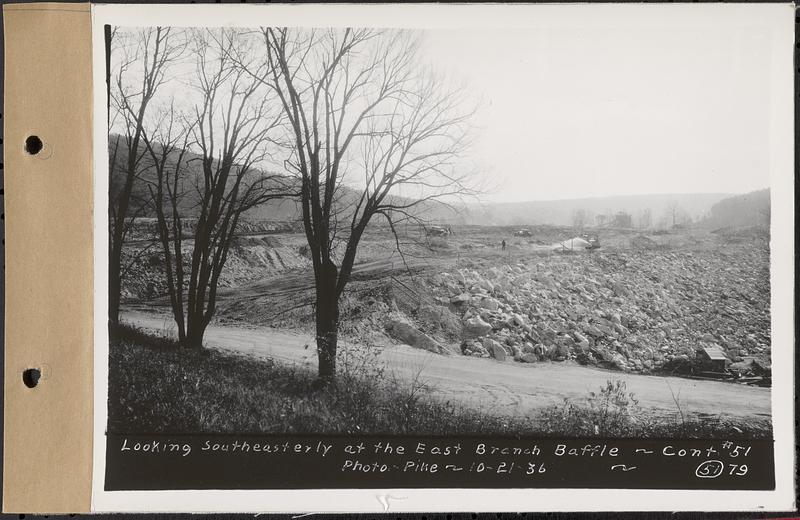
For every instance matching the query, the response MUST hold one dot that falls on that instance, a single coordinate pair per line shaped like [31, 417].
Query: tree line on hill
[746, 210]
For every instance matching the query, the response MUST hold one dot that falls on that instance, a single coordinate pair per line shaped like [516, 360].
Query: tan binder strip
[47, 461]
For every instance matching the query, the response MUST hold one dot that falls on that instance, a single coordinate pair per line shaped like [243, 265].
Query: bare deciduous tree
[579, 218]
[645, 220]
[167, 148]
[673, 210]
[365, 118]
[142, 70]
[233, 127]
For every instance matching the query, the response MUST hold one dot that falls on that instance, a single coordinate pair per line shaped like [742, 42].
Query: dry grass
[158, 387]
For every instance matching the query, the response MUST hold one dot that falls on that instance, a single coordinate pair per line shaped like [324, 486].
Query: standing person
[504, 244]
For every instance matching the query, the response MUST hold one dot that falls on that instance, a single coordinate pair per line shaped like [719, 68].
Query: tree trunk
[194, 333]
[178, 315]
[327, 321]
[114, 283]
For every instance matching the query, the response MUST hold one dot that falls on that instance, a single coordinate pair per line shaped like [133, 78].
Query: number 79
[737, 469]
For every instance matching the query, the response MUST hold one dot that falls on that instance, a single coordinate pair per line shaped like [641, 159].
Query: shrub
[610, 412]
[615, 412]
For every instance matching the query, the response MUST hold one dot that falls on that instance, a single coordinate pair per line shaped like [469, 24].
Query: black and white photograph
[553, 236]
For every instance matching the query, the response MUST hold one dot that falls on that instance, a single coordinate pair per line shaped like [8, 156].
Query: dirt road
[502, 387]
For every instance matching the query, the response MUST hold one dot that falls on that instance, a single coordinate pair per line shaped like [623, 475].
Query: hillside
[279, 210]
[555, 212]
[747, 210]
[275, 210]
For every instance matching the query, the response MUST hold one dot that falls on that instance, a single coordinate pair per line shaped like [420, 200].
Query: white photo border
[777, 18]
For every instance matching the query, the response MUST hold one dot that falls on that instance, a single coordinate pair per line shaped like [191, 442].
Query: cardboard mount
[47, 461]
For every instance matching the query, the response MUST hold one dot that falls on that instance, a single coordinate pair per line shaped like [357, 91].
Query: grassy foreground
[156, 386]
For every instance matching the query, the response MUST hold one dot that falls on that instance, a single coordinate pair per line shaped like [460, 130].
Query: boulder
[461, 299]
[529, 358]
[609, 358]
[440, 317]
[618, 362]
[406, 333]
[474, 348]
[601, 353]
[619, 289]
[606, 331]
[495, 349]
[490, 304]
[475, 327]
[518, 319]
[438, 279]
[592, 331]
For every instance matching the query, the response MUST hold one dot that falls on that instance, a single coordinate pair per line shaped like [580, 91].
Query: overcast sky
[656, 102]
[613, 109]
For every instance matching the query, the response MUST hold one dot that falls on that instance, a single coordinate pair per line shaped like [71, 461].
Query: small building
[712, 359]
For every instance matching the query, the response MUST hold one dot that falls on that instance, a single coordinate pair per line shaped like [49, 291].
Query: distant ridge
[749, 209]
[555, 212]
[560, 212]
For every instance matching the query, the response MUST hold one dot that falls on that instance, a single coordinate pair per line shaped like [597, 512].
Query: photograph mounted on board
[520, 233]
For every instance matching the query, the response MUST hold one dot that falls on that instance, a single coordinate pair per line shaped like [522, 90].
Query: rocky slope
[642, 311]
[641, 303]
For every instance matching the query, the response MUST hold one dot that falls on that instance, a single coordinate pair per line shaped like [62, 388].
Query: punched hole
[31, 377]
[33, 144]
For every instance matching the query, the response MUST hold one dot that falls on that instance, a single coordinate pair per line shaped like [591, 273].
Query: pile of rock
[634, 311]
[474, 347]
